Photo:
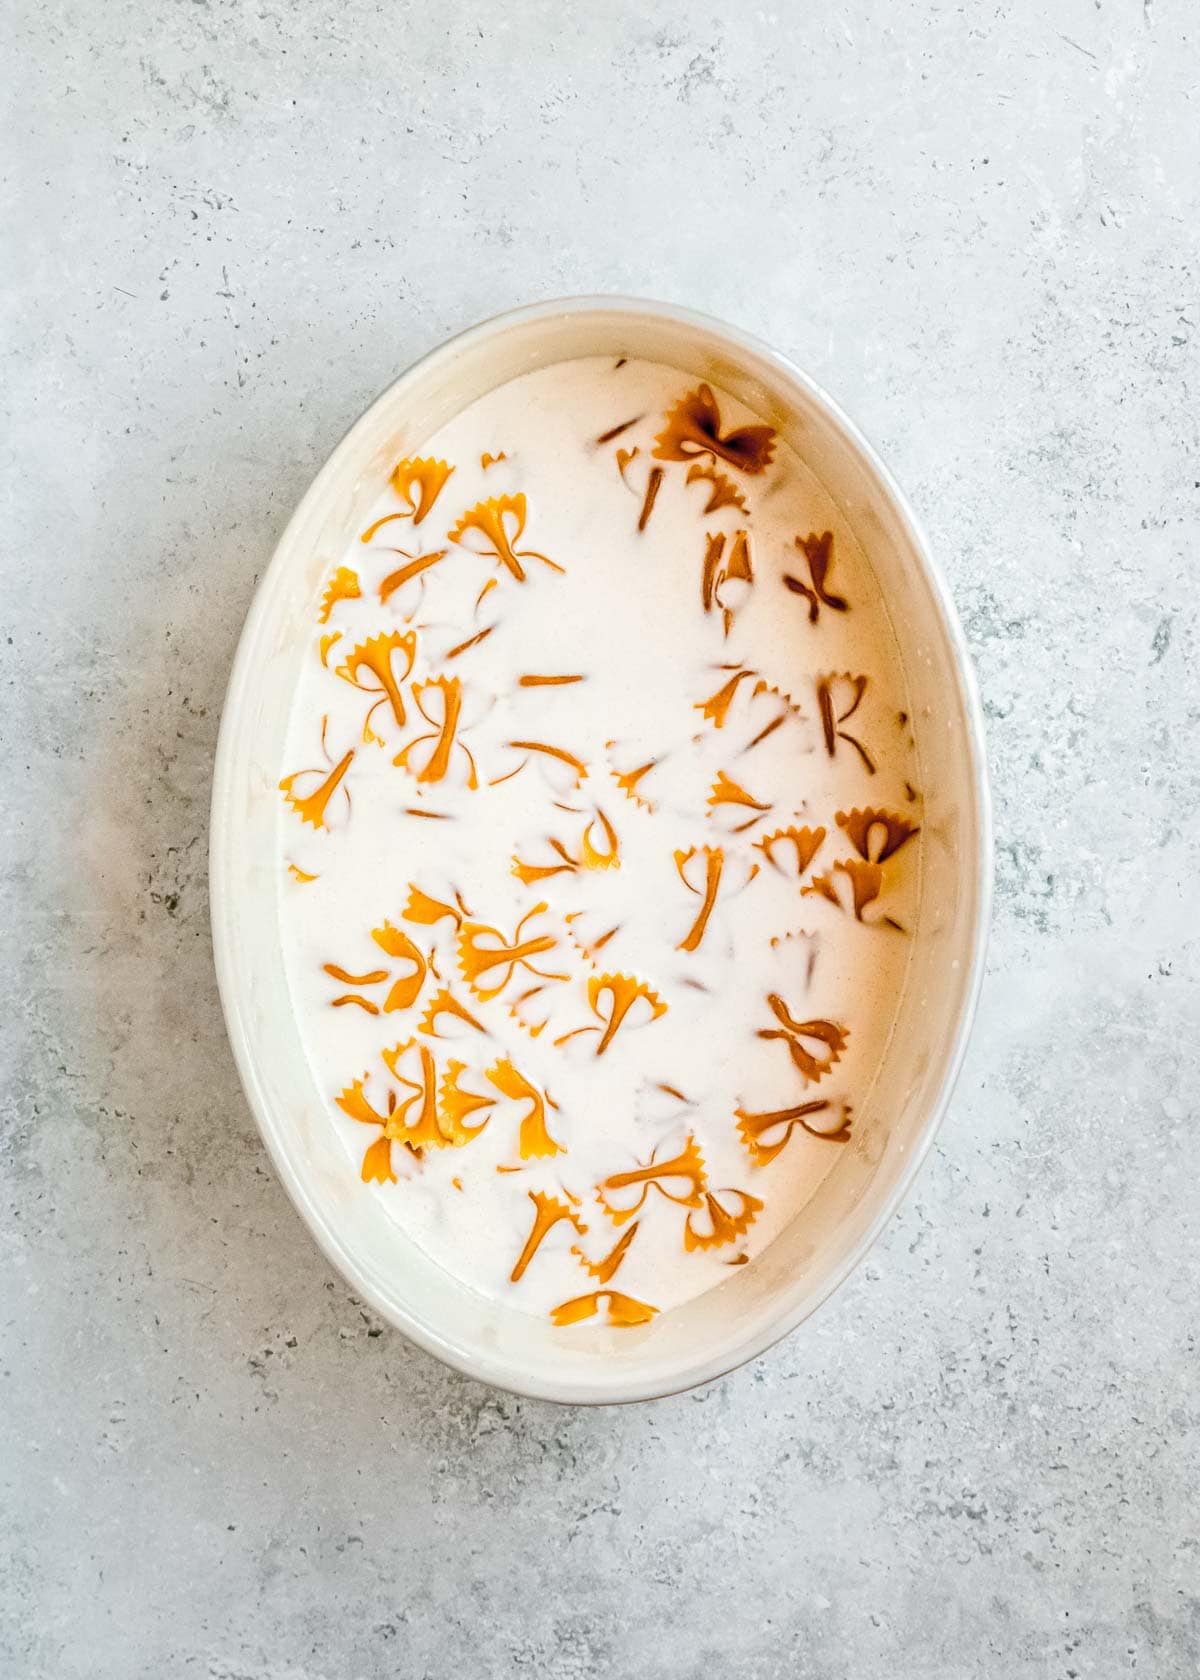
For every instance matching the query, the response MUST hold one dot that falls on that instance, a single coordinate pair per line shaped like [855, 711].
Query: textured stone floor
[235, 220]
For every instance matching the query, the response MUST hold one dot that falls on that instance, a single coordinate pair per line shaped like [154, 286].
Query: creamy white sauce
[626, 614]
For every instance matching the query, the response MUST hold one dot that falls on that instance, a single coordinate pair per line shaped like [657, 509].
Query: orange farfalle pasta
[619, 430]
[471, 641]
[653, 484]
[445, 695]
[483, 949]
[428, 912]
[693, 428]
[415, 566]
[720, 570]
[590, 856]
[714, 859]
[534, 1140]
[725, 791]
[377, 1162]
[559, 754]
[738, 568]
[762, 686]
[548, 1212]
[516, 1010]
[680, 1179]
[419, 483]
[606, 1269]
[627, 781]
[716, 707]
[623, 1310]
[455, 1106]
[355, 1102]
[531, 872]
[588, 947]
[876, 835]
[776, 722]
[845, 692]
[822, 886]
[302, 875]
[814, 1046]
[818, 554]
[723, 1226]
[442, 1111]
[805, 843]
[623, 991]
[343, 586]
[374, 978]
[405, 989]
[424, 1133]
[365, 1004]
[370, 668]
[486, 460]
[866, 884]
[443, 1003]
[396, 943]
[723, 492]
[312, 807]
[500, 521]
[753, 1128]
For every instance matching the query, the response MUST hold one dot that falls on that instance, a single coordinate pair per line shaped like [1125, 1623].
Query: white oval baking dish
[761, 1302]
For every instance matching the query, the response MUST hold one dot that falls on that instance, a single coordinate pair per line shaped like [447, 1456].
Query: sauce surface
[599, 843]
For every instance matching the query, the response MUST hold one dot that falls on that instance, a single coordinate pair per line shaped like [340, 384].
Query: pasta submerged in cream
[599, 840]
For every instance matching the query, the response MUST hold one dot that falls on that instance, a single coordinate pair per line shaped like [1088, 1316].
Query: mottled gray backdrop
[234, 221]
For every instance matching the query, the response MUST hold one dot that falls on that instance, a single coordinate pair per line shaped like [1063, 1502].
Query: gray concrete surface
[234, 222]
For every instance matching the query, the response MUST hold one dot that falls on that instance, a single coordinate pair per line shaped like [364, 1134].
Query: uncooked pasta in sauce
[599, 843]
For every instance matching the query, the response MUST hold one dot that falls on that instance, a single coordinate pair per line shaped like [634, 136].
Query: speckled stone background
[235, 220]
